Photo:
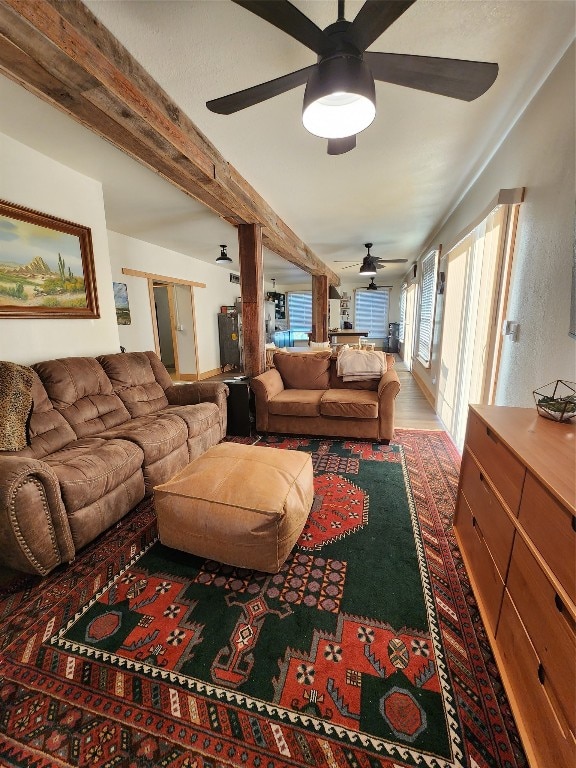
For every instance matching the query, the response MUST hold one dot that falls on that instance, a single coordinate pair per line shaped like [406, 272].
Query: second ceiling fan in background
[340, 99]
[371, 264]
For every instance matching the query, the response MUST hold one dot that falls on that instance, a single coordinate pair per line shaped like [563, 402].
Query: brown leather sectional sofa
[303, 395]
[103, 432]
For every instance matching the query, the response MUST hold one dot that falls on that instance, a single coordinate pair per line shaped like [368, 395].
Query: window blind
[300, 311]
[371, 312]
[427, 305]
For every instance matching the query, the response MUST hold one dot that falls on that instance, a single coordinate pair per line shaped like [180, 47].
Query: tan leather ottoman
[243, 505]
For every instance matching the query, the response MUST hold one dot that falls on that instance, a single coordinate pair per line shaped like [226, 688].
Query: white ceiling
[410, 168]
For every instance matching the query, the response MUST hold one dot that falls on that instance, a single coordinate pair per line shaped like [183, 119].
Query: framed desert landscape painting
[46, 266]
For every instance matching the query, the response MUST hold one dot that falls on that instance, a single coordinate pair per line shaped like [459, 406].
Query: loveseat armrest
[35, 534]
[388, 388]
[265, 386]
[202, 392]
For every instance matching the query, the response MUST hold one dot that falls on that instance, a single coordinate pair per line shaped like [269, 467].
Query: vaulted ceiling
[408, 171]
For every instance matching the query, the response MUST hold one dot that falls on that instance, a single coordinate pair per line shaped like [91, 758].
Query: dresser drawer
[548, 624]
[550, 527]
[549, 736]
[494, 522]
[502, 467]
[484, 577]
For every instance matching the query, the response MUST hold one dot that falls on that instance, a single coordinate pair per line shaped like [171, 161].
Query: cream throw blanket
[15, 405]
[358, 364]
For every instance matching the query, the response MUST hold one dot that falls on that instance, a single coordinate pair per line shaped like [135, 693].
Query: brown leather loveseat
[303, 395]
[102, 433]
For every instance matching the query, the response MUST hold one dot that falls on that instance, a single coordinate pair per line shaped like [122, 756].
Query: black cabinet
[240, 408]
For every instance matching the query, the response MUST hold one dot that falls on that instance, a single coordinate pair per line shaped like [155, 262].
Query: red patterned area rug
[365, 651]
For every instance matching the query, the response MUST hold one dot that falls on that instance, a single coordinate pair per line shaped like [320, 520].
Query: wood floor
[413, 411]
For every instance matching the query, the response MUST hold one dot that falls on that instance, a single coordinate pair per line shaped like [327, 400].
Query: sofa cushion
[157, 435]
[79, 388]
[49, 431]
[135, 382]
[349, 404]
[198, 418]
[308, 370]
[296, 402]
[337, 382]
[89, 469]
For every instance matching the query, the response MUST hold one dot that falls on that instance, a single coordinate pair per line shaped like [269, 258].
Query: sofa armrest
[265, 386]
[198, 392]
[388, 388]
[202, 392]
[35, 535]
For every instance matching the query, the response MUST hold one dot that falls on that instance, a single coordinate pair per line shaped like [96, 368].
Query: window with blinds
[402, 324]
[427, 306]
[300, 311]
[371, 312]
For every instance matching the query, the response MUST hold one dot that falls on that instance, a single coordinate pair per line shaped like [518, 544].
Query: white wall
[538, 154]
[145, 257]
[35, 181]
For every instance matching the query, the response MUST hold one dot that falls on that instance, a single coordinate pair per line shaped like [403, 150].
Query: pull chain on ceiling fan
[340, 98]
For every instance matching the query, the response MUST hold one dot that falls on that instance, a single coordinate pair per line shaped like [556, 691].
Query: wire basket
[556, 400]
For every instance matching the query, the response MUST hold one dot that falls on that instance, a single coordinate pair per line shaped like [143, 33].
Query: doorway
[174, 327]
[165, 324]
[476, 289]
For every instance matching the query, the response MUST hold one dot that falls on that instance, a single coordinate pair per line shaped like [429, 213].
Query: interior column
[319, 308]
[252, 292]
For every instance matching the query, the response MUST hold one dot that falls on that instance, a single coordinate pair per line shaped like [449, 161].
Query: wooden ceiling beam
[59, 51]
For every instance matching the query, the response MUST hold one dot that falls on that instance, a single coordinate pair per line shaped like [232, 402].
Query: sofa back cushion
[80, 390]
[336, 382]
[48, 430]
[307, 370]
[135, 381]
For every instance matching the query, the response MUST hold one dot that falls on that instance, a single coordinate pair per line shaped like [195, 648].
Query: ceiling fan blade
[340, 146]
[457, 78]
[234, 102]
[351, 266]
[285, 16]
[375, 17]
[390, 261]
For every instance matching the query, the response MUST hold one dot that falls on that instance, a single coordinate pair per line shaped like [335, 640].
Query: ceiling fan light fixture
[223, 258]
[368, 267]
[340, 98]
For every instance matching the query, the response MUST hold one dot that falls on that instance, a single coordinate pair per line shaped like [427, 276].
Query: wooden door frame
[152, 278]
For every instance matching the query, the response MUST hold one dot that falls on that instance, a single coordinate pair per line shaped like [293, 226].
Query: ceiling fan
[340, 99]
[371, 264]
[373, 287]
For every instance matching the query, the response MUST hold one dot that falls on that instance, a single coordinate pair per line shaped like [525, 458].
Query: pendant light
[223, 258]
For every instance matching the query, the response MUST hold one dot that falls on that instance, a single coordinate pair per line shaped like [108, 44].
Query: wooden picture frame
[46, 266]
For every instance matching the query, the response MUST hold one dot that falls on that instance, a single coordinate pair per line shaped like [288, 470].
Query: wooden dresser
[515, 523]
